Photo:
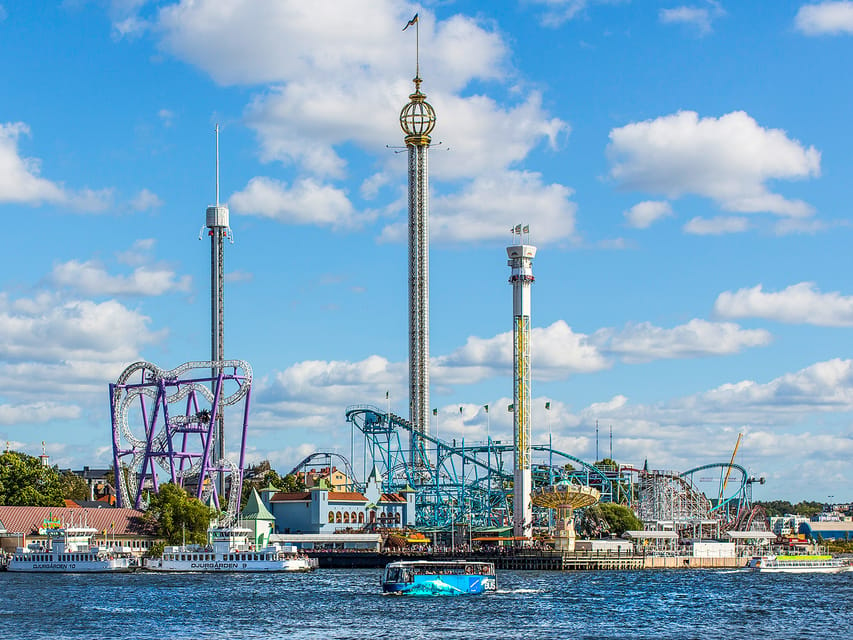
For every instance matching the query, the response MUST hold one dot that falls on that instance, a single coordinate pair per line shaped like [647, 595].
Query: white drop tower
[218, 229]
[521, 256]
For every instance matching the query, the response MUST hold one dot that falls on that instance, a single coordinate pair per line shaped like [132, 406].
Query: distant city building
[97, 480]
[786, 525]
[324, 510]
[335, 479]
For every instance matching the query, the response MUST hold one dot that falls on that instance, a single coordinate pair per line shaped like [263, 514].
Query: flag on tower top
[518, 228]
[548, 406]
[486, 407]
[526, 228]
[411, 22]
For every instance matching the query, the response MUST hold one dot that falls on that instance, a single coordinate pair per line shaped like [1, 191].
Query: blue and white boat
[438, 578]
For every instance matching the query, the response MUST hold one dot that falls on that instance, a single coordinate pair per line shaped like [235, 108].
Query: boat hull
[435, 585]
[222, 566]
[106, 566]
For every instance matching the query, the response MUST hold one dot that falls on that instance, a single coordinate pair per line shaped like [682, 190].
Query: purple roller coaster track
[164, 429]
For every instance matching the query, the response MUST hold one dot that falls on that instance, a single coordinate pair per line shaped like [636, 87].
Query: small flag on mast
[526, 229]
[411, 22]
[548, 406]
[435, 412]
[510, 407]
[518, 228]
[486, 407]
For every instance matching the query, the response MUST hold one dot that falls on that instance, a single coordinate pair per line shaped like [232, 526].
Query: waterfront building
[124, 528]
[827, 530]
[324, 510]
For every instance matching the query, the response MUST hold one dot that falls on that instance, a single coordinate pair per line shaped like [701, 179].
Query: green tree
[26, 482]
[619, 518]
[176, 517]
[73, 486]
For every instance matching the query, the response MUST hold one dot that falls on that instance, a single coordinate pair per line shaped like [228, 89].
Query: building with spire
[417, 120]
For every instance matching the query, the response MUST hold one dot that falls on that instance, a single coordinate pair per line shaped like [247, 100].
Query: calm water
[347, 604]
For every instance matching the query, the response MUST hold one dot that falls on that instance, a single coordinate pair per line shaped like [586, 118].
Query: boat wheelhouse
[434, 577]
[797, 564]
[70, 550]
[229, 551]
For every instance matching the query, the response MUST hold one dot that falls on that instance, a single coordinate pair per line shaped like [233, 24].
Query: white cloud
[78, 330]
[19, 177]
[825, 18]
[488, 207]
[561, 11]
[556, 351]
[728, 159]
[699, 17]
[471, 126]
[644, 342]
[92, 279]
[145, 200]
[306, 202]
[37, 412]
[167, 116]
[716, 226]
[801, 303]
[269, 41]
[139, 253]
[643, 214]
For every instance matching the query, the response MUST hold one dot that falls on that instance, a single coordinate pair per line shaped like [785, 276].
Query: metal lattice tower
[521, 262]
[417, 120]
[217, 225]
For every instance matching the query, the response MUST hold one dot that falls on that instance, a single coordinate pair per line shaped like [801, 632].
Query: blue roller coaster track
[467, 482]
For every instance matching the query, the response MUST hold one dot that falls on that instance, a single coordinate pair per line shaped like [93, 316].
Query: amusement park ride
[169, 425]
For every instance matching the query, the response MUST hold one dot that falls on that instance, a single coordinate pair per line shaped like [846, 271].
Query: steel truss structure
[164, 428]
[668, 499]
[467, 483]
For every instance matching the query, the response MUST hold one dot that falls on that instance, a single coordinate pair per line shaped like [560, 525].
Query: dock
[530, 560]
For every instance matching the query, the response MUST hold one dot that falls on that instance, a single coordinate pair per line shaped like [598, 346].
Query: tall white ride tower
[417, 120]
[521, 262]
[218, 229]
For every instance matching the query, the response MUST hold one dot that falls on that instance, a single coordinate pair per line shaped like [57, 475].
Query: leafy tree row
[783, 507]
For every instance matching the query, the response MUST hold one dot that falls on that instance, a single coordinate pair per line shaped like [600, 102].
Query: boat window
[361, 518]
[346, 517]
[331, 516]
[338, 517]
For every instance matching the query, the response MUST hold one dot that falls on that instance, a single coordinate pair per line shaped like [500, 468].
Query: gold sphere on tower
[417, 118]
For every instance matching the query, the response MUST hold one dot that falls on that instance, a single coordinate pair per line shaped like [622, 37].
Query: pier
[531, 560]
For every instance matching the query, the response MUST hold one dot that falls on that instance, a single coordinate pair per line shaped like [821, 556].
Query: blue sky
[684, 168]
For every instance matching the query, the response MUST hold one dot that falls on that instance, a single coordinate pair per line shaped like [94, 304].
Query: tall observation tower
[520, 261]
[417, 120]
[217, 229]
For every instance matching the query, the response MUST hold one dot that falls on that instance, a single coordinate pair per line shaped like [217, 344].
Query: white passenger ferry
[797, 564]
[230, 551]
[70, 550]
